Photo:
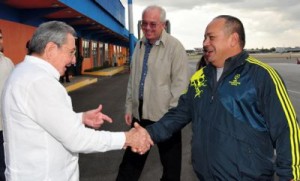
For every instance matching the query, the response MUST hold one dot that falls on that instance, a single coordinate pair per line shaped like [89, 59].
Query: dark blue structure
[99, 20]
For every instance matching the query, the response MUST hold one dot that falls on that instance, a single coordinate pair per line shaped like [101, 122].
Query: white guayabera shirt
[42, 133]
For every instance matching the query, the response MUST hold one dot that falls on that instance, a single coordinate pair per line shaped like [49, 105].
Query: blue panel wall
[91, 9]
[115, 8]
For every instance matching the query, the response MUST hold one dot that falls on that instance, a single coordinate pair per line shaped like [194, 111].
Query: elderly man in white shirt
[42, 133]
[6, 66]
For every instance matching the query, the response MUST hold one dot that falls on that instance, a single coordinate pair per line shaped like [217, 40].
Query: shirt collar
[43, 64]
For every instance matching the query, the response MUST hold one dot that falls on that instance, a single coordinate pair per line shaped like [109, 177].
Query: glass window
[86, 48]
[94, 53]
[101, 51]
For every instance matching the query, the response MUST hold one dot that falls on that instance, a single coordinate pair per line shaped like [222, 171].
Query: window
[94, 53]
[86, 48]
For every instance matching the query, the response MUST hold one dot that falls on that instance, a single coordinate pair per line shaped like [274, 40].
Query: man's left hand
[95, 118]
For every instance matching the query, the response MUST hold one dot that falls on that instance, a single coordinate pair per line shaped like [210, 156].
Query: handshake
[138, 139]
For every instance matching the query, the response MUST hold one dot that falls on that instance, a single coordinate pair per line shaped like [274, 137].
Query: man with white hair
[159, 75]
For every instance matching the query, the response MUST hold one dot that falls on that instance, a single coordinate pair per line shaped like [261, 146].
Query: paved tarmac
[111, 91]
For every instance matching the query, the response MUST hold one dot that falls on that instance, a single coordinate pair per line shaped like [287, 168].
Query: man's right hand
[128, 119]
[138, 139]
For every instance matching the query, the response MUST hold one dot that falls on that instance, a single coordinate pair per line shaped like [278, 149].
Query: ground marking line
[296, 92]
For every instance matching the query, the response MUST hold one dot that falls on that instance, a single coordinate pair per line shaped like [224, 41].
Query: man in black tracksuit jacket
[240, 112]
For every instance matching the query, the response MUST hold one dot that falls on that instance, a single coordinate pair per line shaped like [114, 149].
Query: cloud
[267, 23]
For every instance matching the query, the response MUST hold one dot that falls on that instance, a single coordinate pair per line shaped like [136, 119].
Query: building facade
[100, 25]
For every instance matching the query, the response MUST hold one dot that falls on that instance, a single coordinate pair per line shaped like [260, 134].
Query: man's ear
[234, 39]
[50, 50]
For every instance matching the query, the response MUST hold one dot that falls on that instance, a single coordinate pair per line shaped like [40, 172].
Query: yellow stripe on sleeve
[289, 113]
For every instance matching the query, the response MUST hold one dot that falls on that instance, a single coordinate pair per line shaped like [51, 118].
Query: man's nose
[205, 42]
[73, 60]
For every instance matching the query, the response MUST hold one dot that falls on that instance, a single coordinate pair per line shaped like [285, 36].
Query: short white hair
[161, 10]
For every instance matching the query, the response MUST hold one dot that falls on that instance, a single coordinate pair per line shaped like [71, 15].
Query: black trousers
[2, 160]
[170, 153]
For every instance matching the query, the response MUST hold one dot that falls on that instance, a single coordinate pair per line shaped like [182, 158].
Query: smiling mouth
[206, 51]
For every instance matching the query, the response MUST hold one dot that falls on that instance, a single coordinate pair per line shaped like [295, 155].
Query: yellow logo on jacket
[235, 81]
[198, 81]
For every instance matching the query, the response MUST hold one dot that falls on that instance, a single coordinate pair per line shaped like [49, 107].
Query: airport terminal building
[103, 39]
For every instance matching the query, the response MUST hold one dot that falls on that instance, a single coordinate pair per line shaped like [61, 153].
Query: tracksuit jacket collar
[230, 64]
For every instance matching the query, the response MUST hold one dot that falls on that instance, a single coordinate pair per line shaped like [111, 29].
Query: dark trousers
[170, 156]
[2, 161]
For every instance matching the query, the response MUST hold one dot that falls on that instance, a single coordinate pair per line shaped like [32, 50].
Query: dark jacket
[237, 123]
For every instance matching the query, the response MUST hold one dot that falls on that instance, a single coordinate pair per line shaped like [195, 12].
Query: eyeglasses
[152, 25]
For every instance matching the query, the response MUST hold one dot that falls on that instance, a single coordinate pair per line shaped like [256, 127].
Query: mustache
[205, 50]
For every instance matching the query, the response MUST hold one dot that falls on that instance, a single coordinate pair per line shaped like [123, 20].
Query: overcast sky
[268, 23]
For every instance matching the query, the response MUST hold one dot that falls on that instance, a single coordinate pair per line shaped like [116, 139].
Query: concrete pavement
[87, 78]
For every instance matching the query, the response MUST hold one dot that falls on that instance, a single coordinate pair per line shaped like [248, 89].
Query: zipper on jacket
[211, 99]
[214, 85]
